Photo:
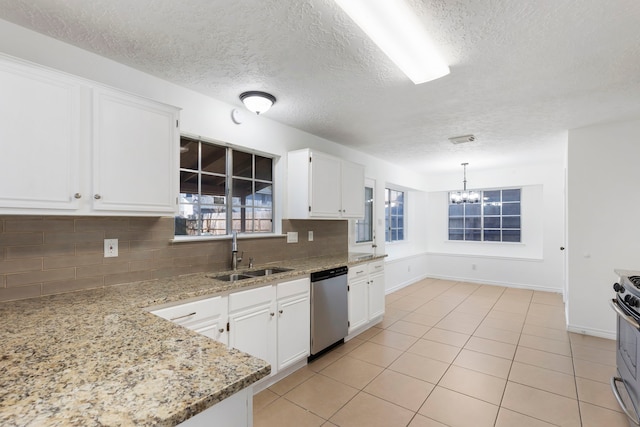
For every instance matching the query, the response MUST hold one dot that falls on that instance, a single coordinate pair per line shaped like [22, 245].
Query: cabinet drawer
[293, 287]
[357, 272]
[376, 267]
[250, 298]
[191, 312]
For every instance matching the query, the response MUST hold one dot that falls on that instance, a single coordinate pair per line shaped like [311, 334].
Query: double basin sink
[251, 274]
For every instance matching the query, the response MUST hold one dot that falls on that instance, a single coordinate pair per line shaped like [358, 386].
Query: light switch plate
[310, 236]
[110, 248]
[292, 237]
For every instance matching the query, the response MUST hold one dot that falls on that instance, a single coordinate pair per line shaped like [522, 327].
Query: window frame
[368, 205]
[482, 216]
[388, 216]
[229, 177]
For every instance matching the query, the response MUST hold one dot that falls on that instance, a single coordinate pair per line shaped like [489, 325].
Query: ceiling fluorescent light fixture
[256, 101]
[398, 32]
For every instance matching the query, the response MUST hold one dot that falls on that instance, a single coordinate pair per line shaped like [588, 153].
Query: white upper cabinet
[40, 136]
[73, 147]
[321, 186]
[134, 161]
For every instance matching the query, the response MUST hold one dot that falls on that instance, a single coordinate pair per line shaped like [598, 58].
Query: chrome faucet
[234, 251]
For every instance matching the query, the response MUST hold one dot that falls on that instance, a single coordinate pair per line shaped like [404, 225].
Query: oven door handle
[616, 393]
[630, 320]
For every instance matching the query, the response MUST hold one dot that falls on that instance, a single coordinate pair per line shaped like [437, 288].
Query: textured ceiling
[522, 72]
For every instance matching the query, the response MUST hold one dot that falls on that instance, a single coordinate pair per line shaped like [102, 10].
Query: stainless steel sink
[232, 277]
[250, 274]
[267, 271]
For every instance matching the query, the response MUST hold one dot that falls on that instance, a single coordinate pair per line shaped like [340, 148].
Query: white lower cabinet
[234, 411]
[293, 322]
[206, 316]
[252, 323]
[366, 295]
[270, 322]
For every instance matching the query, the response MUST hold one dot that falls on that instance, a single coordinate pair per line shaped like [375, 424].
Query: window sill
[191, 239]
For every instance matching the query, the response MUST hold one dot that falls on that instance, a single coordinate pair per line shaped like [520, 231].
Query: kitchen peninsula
[97, 357]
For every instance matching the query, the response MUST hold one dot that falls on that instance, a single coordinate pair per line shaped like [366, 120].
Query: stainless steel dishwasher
[329, 313]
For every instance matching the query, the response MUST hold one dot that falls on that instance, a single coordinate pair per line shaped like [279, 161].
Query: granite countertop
[99, 357]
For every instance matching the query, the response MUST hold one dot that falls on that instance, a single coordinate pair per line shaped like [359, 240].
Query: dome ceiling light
[256, 101]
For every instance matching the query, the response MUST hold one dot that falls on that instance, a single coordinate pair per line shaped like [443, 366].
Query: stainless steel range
[626, 385]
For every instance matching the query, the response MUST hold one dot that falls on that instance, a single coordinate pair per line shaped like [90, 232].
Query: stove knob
[633, 302]
[627, 298]
[618, 287]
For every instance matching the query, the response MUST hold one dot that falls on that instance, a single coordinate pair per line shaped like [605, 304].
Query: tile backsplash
[44, 255]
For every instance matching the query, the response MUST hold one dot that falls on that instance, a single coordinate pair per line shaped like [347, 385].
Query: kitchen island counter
[98, 357]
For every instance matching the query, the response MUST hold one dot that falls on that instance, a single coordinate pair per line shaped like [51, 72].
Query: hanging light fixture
[256, 101]
[464, 196]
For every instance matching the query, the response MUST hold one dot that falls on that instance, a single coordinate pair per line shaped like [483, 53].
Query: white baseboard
[593, 332]
[497, 283]
[272, 379]
[405, 283]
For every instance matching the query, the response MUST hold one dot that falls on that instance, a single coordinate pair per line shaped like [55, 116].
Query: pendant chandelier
[464, 196]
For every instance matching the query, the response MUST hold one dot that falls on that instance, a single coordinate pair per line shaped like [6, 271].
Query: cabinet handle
[280, 311]
[97, 197]
[221, 330]
[272, 314]
[77, 196]
[182, 317]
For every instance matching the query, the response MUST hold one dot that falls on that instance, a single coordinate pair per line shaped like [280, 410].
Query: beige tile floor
[454, 354]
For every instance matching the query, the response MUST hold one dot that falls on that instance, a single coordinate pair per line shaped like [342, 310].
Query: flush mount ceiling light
[464, 196]
[398, 32]
[256, 101]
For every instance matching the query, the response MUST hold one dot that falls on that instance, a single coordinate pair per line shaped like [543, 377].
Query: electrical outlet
[310, 236]
[110, 248]
[292, 237]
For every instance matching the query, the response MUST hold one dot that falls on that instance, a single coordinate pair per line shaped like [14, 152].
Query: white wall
[603, 211]
[537, 262]
[210, 118]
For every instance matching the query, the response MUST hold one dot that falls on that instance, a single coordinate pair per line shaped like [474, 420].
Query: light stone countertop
[98, 358]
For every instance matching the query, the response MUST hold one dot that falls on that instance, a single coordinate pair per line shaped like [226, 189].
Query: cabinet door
[294, 312]
[252, 323]
[293, 329]
[40, 138]
[358, 300]
[376, 296]
[325, 186]
[134, 154]
[352, 190]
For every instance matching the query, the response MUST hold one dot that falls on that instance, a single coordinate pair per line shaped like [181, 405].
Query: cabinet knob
[272, 314]
[77, 196]
[221, 330]
[97, 197]
[280, 311]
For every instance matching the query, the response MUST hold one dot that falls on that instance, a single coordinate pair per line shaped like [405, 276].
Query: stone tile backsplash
[45, 255]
